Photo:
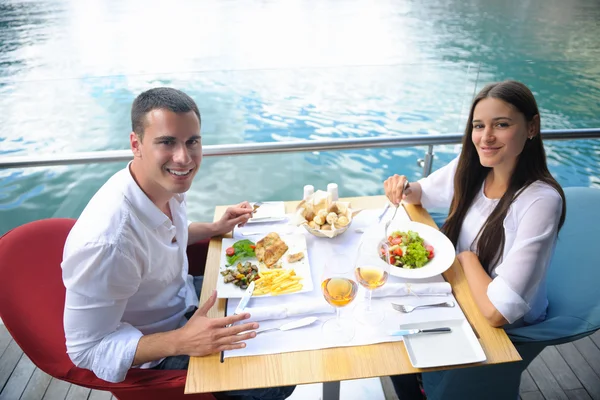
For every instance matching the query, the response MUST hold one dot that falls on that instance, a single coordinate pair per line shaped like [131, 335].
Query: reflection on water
[273, 71]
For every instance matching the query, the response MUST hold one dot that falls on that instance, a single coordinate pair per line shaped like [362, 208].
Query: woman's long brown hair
[470, 175]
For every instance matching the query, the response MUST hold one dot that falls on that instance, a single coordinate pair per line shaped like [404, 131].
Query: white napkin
[251, 231]
[288, 310]
[415, 289]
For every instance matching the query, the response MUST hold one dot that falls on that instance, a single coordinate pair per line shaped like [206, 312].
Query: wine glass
[371, 273]
[339, 288]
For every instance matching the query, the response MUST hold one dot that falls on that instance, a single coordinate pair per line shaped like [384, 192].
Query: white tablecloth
[311, 337]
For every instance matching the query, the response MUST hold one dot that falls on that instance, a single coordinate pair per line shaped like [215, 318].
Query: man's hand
[235, 215]
[202, 335]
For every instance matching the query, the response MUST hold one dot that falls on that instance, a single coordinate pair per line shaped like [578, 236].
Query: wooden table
[208, 374]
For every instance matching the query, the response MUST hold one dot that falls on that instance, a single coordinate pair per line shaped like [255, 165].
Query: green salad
[240, 249]
[407, 250]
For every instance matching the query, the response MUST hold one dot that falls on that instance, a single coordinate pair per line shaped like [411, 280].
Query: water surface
[281, 70]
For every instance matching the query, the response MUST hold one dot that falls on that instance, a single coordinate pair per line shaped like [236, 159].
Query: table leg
[331, 390]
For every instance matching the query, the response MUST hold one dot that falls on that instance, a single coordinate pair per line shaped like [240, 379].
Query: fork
[385, 209]
[387, 224]
[407, 309]
[256, 205]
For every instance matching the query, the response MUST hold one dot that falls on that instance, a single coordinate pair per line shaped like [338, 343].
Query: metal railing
[286, 147]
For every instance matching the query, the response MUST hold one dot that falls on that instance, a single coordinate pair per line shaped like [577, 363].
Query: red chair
[32, 297]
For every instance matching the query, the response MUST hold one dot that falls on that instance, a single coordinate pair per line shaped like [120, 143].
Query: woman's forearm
[478, 281]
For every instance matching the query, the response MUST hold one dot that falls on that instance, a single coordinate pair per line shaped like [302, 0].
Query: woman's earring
[530, 137]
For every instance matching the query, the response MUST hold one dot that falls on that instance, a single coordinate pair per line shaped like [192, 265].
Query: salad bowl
[441, 258]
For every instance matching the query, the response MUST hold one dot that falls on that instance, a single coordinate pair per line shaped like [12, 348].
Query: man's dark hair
[162, 98]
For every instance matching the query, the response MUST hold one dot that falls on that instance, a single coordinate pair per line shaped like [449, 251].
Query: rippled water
[280, 70]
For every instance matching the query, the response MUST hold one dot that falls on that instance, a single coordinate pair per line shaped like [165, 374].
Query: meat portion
[270, 249]
[292, 258]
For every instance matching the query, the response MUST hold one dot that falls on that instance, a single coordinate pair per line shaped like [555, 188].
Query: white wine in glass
[339, 288]
[371, 277]
[339, 292]
[372, 273]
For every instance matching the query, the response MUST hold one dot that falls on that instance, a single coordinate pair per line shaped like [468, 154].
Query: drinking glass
[339, 288]
[371, 273]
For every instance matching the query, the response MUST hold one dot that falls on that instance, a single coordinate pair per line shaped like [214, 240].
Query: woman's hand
[394, 188]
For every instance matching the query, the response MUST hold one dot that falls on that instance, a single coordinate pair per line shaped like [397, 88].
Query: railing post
[427, 163]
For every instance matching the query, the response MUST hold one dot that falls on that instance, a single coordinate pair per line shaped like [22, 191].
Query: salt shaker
[332, 189]
[308, 191]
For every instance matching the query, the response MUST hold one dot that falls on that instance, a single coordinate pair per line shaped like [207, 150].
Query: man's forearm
[156, 346]
[202, 230]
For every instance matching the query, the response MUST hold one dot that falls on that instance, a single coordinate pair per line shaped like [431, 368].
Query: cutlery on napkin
[289, 310]
[413, 289]
[291, 325]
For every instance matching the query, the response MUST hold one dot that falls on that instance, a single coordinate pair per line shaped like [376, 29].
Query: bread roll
[323, 213]
[318, 219]
[309, 215]
[326, 227]
[331, 218]
[342, 221]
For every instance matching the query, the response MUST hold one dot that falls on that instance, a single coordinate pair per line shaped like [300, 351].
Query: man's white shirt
[126, 274]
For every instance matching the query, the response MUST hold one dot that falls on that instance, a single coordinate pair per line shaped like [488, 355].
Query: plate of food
[414, 250]
[267, 211]
[278, 265]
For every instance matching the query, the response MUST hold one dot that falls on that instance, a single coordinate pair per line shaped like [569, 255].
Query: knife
[405, 332]
[291, 325]
[245, 299]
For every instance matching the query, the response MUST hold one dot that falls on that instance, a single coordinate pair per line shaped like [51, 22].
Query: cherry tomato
[252, 246]
[431, 255]
[429, 248]
[392, 260]
[398, 252]
[230, 251]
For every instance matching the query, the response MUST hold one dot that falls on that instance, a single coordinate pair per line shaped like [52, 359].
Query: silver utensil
[245, 299]
[290, 325]
[405, 332]
[256, 205]
[379, 218]
[404, 308]
[386, 208]
[387, 224]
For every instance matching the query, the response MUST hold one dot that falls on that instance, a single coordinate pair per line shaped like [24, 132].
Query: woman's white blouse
[518, 288]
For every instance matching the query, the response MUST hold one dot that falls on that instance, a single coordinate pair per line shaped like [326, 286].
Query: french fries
[276, 282]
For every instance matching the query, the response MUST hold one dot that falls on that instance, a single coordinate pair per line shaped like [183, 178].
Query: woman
[505, 208]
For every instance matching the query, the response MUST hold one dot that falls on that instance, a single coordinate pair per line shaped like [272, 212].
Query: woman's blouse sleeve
[437, 189]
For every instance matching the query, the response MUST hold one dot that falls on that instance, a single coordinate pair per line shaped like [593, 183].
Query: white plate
[435, 350]
[443, 248]
[270, 211]
[296, 243]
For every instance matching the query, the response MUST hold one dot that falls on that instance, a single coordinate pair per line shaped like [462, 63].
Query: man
[125, 266]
